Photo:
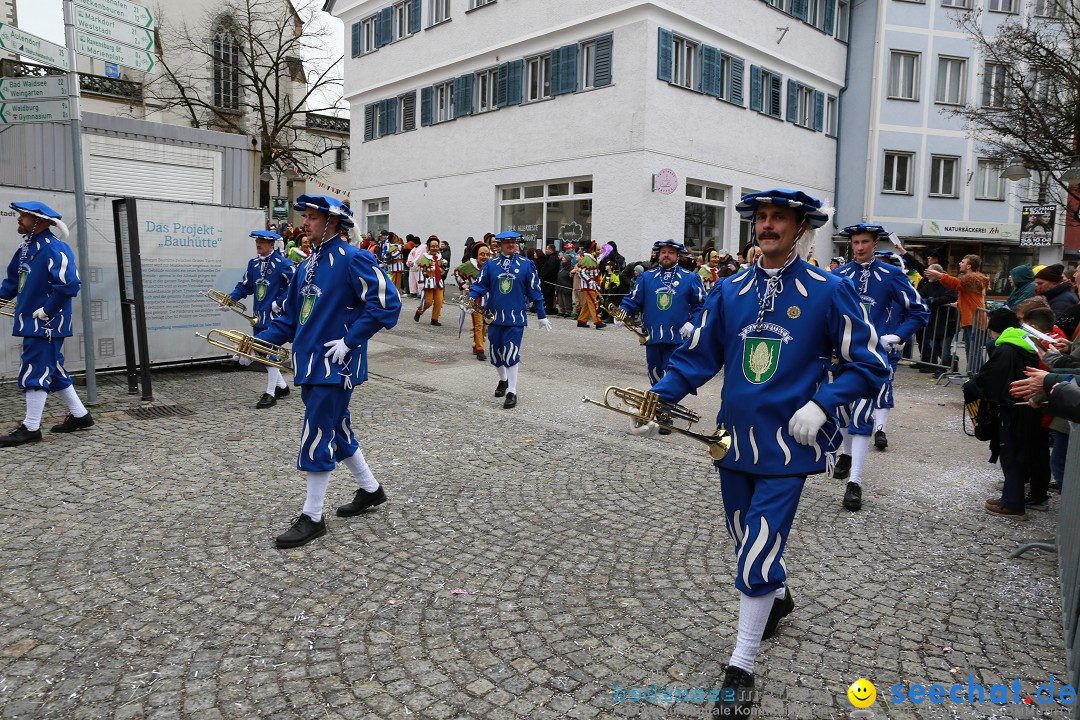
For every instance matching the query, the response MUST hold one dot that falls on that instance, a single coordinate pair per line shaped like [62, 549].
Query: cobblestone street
[140, 578]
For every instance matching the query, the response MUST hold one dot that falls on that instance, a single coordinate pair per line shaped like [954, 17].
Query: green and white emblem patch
[506, 284]
[761, 357]
[663, 299]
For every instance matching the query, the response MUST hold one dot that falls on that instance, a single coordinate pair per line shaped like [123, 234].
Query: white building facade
[598, 120]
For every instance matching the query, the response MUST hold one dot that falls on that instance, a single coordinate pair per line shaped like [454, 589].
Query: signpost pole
[89, 346]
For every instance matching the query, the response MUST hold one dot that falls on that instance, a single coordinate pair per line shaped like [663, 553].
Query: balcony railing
[329, 123]
[97, 85]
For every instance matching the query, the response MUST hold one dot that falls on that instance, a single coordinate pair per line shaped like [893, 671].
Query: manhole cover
[159, 411]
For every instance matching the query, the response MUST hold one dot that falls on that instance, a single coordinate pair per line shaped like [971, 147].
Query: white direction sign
[114, 52]
[23, 43]
[43, 111]
[33, 88]
[113, 29]
[121, 10]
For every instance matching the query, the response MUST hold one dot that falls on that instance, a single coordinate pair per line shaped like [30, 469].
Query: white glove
[806, 422]
[224, 308]
[544, 323]
[242, 359]
[890, 341]
[275, 308]
[649, 429]
[39, 314]
[686, 330]
[338, 350]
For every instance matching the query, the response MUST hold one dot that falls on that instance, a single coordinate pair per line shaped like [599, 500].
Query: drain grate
[159, 411]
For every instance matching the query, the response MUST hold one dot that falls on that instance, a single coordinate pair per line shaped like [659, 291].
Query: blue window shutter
[830, 16]
[792, 101]
[798, 9]
[602, 73]
[665, 56]
[408, 112]
[736, 84]
[514, 71]
[379, 30]
[369, 122]
[385, 26]
[356, 39]
[414, 16]
[564, 62]
[426, 96]
[775, 91]
[467, 93]
[819, 110]
[710, 70]
[500, 85]
[755, 88]
[457, 97]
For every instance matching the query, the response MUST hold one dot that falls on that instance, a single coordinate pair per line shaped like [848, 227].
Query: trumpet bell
[630, 323]
[260, 351]
[7, 307]
[235, 305]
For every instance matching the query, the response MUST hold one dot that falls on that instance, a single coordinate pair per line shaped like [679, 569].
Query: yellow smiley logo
[862, 693]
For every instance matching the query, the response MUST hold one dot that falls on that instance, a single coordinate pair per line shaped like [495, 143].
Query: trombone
[7, 307]
[467, 303]
[224, 300]
[260, 351]
[633, 325]
[645, 407]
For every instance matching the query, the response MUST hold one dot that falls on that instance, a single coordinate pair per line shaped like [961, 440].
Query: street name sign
[111, 51]
[20, 42]
[43, 111]
[121, 10]
[33, 88]
[113, 29]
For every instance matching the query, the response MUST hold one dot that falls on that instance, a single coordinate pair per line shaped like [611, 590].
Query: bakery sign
[979, 230]
[665, 181]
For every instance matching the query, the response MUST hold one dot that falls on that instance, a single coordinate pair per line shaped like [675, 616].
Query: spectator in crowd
[1051, 284]
[1069, 320]
[1022, 282]
[444, 250]
[549, 278]
[836, 263]
[416, 273]
[564, 293]
[612, 255]
[935, 344]
[971, 289]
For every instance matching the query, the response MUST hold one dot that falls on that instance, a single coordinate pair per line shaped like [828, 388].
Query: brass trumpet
[645, 407]
[632, 324]
[260, 351]
[470, 304]
[237, 307]
[7, 307]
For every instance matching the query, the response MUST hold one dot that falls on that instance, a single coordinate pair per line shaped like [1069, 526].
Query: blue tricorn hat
[508, 235]
[671, 244]
[877, 231]
[803, 204]
[328, 205]
[43, 211]
[265, 235]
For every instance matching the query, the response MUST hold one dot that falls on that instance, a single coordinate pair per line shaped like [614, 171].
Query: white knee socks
[847, 441]
[511, 378]
[75, 406]
[753, 615]
[316, 494]
[35, 405]
[881, 419]
[273, 380]
[859, 445]
[361, 472]
[502, 373]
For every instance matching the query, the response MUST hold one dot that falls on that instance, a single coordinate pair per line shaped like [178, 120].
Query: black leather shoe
[500, 389]
[736, 695]
[842, 468]
[436, 323]
[303, 531]
[665, 431]
[266, 401]
[72, 423]
[601, 326]
[20, 436]
[780, 610]
[416, 317]
[281, 392]
[510, 401]
[880, 441]
[481, 357]
[853, 496]
[362, 501]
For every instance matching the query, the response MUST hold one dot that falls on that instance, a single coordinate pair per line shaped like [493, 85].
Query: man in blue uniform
[774, 327]
[43, 280]
[896, 312]
[669, 298]
[510, 283]
[337, 301]
[267, 279]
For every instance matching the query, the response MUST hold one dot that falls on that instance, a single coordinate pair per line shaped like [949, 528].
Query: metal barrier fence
[948, 350]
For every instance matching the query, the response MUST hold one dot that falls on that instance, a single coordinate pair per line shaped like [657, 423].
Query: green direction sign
[113, 29]
[33, 88]
[23, 43]
[111, 51]
[121, 10]
[26, 112]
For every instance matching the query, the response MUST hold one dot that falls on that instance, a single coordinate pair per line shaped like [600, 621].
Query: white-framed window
[784, 5]
[473, 4]
[944, 170]
[843, 19]
[554, 212]
[952, 72]
[685, 63]
[402, 19]
[1003, 6]
[704, 216]
[896, 177]
[444, 101]
[587, 71]
[956, 3]
[804, 112]
[97, 310]
[989, 183]
[340, 156]
[367, 33]
[832, 115]
[994, 87]
[226, 67]
[487, 85]
[903, 75]
[771, 94]
[1049, 8]
[815, 12]
[538, 78]
[1042, 84]
[106, 347]
[440, 11]
[377, 215]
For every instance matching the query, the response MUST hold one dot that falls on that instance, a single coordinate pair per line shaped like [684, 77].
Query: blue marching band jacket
[892, 303]
[666, 299]
[42, 274]
[510, 285]
[267, 280]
